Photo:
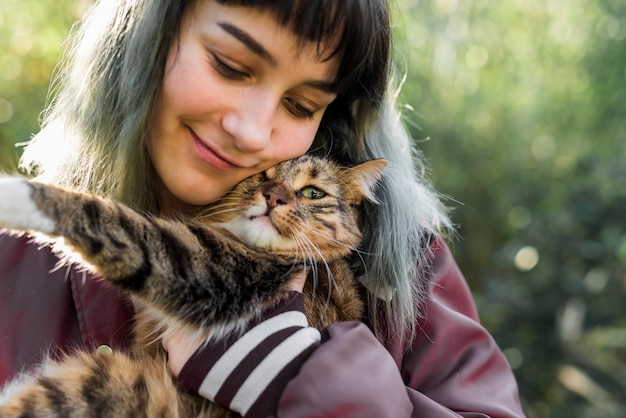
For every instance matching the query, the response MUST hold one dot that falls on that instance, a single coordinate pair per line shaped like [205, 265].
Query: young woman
[165, 105]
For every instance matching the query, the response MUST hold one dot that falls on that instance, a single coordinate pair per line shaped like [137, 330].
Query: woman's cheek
[299, 142]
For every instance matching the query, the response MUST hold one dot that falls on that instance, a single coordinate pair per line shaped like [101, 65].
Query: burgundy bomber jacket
[452, 368]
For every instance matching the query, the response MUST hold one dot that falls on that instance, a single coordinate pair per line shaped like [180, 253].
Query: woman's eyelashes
[230, 71]
[299, 110]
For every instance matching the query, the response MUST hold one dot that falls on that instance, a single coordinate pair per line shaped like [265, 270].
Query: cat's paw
[18, 210]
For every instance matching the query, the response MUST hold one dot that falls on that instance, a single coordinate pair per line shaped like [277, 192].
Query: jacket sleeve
[47, 310]
[248, 373]
[452, 368]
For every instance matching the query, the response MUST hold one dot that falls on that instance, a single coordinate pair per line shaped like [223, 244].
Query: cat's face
[307, 207]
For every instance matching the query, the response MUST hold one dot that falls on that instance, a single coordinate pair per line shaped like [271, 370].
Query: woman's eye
[299, 110]
[313, 193]
[228, 71]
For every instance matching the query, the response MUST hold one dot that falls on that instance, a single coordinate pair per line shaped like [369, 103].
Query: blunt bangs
[355, 31]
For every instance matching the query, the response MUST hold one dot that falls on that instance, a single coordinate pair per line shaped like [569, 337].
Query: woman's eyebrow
[324, 86]
[248, 41]
[258, 49]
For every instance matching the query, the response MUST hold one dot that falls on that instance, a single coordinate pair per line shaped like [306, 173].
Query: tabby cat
[199, 274]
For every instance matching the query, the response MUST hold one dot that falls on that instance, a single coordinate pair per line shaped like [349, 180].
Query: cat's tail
[91, 385]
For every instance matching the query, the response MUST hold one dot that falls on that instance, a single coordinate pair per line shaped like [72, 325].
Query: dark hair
[356, 31]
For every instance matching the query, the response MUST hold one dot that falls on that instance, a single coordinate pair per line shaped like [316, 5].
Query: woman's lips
[209, 156]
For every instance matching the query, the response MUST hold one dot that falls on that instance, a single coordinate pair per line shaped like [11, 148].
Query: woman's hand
[298, 281]
[180, 348]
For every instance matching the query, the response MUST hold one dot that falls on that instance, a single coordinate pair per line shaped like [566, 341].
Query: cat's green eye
[311, 192]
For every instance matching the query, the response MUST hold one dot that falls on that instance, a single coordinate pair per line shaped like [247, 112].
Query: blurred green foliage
[520, 108]
[32, 35]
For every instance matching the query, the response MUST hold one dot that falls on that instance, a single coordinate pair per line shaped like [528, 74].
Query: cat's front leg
[89, 226]
[18, 211]
[193, 273]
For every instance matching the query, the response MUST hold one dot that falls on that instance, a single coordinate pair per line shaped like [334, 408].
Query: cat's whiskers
[328, 237]
[331, 280]
[214, 214]
[207, 213]
[310, 245]
[302, 243]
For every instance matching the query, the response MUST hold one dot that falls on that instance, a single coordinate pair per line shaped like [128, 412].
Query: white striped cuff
[261, 374]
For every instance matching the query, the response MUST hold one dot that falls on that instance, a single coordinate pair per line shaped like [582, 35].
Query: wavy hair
[102, 99]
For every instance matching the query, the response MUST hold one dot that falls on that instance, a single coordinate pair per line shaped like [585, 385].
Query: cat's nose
[275, 196]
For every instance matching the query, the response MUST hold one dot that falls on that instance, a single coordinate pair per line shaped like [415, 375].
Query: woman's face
[238, 97]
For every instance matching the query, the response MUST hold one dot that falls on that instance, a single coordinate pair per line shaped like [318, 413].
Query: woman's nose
[252, 122]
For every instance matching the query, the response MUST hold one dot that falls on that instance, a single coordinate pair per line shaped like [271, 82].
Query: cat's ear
[363, 177]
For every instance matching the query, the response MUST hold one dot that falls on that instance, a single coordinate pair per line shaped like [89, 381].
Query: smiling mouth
[209, 156]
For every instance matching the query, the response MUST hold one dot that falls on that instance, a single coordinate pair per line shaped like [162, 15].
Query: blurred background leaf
[520, 108]
[32, 35]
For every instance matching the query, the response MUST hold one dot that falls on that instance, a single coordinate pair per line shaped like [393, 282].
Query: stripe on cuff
[270, 366]
[242, 347]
